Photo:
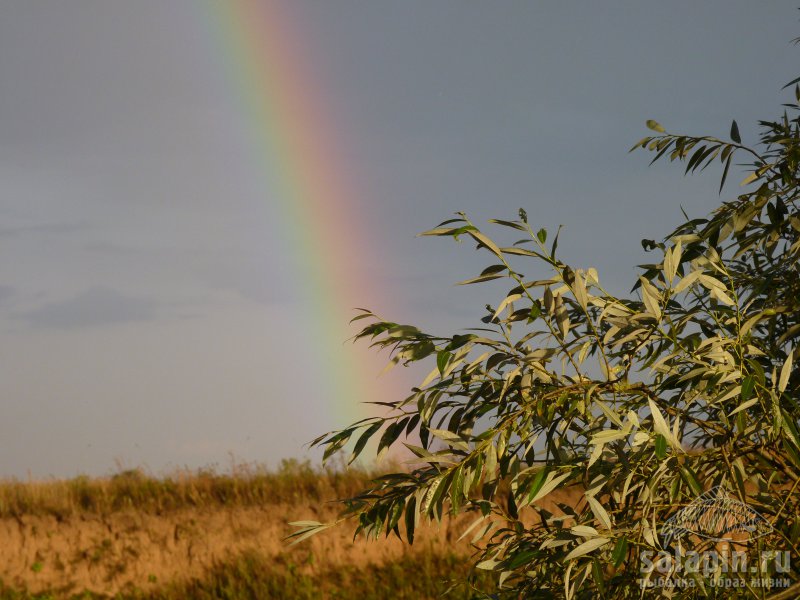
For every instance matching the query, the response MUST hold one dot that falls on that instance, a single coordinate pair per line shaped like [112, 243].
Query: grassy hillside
[209, 535]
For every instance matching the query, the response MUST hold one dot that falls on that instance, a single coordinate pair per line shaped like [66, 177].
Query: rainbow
[299, 145]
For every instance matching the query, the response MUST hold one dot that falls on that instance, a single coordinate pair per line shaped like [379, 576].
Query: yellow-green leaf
[672, 260]
[749, 179]
[744, 406]
[687, 281]
[660, 426]
[579, 289]
[587, 547]
[786, 370]
[482, 239]
[651, 298]
[608, 435]
[599, 512]
[550, 484]
[508, 300]
[721, 296]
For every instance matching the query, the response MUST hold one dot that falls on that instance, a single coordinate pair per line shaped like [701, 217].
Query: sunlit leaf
[587, 547]
[786, 371]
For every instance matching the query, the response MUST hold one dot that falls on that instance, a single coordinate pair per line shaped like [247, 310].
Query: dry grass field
[209, 535]
[212, 535]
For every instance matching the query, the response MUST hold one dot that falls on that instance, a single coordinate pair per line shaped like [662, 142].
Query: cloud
[96, 307]
[50, 228]
[6, 292]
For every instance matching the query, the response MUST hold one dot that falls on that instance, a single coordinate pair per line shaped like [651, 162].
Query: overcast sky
[145, 310]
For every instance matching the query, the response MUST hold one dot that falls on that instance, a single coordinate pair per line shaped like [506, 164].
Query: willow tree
[641, 403]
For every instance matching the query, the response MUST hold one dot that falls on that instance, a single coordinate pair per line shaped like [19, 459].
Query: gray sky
[147, 311]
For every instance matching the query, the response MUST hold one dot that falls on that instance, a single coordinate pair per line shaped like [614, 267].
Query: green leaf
[620, 552]
[792, 82]
[391, 434]
[493, 269]
[519, 251]
[459, 340]
[522, 558]
[536, 484]
[541, 235]
[661, 446]
[554, 247]
[512, 506]
[402, 331]
[511, 224]
[735, 133]
[442, 359]
[655, 126]
[599, 577]
[748, 385]
[336, 443]
[362, 441]
[550, 484]
[725, 173]
[411, 518]
[689, 477]
[420, 452]
[480, 279]
[420, 350]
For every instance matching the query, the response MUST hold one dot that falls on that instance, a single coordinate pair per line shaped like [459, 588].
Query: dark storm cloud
[135, 188]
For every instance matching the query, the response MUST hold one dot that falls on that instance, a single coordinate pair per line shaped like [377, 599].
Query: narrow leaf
[786, 370]
[735, 133]
[620, 552]
[749, 179]
[587, 547]
[600, 512]
[485, 241]
[725, 173]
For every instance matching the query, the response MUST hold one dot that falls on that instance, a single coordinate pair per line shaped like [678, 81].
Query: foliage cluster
[643, 401]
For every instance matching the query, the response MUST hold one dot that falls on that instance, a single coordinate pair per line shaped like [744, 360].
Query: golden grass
[244, 485]
[206, 534]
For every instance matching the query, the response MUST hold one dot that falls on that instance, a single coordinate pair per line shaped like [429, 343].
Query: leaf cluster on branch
[641, 402]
